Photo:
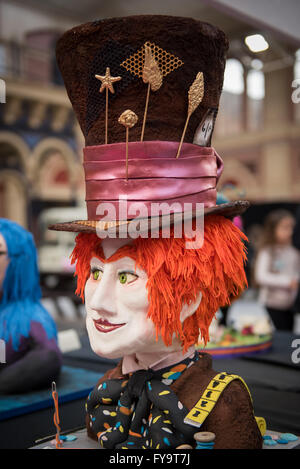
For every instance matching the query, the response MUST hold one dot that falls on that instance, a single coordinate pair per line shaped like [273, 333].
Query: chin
[105, 351]
[102, 352]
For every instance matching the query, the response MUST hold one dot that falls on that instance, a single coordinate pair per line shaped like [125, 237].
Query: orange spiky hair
[176, 275]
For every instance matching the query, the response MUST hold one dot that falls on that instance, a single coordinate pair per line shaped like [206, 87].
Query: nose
[103, 299]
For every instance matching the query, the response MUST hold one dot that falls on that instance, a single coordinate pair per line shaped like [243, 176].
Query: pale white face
[116, 300]
[4, 260]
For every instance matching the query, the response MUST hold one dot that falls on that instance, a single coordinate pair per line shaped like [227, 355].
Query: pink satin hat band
[154, 175]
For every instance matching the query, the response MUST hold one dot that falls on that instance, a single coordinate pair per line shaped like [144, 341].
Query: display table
[27, 417]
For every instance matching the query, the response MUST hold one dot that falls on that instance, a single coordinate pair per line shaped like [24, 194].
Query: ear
[188, 310]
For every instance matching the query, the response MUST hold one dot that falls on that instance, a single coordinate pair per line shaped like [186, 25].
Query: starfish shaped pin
[107, 81]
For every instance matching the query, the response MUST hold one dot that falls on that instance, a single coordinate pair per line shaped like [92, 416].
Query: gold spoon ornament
[107, 82]
[128, 118]
[152, 76]
[196, 93]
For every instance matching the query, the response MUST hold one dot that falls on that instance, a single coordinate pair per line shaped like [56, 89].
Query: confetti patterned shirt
[142, 411]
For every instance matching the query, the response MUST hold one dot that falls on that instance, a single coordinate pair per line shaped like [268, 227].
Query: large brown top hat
[154, 81]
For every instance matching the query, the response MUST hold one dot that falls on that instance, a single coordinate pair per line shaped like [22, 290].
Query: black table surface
[272, 377]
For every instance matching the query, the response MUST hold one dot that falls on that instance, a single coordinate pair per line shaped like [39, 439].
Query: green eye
[123, 277]
[127, 277]
[96, 274]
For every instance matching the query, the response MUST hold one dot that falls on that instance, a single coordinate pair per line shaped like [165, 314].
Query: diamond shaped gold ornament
[167, 62]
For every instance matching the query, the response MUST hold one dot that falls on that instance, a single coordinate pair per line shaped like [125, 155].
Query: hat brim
[228, 210]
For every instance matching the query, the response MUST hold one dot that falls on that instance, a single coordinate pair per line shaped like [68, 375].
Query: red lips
[102, 325]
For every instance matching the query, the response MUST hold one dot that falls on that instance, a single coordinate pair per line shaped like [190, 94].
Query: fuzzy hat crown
[182, 47]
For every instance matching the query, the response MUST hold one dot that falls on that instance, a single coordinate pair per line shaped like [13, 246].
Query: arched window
[255, 99]
[53, 179]
[234, 77]
[13, 190]
[230, 118]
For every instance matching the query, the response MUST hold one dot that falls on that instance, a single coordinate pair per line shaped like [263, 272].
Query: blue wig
[21, 294]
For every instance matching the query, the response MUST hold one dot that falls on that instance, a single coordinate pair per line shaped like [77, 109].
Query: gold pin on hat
[152, 76]
[107, 82]
[196, 93]
[128, 118]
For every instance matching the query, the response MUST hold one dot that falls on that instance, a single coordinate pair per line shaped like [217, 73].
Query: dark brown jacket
[232, 419]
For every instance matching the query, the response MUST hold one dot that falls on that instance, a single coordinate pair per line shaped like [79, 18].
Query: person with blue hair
[33, 359]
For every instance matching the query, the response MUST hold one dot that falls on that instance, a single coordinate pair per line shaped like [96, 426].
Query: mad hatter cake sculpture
[145, 90]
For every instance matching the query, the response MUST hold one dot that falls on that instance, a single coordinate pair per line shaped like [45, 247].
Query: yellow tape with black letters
[209, 398]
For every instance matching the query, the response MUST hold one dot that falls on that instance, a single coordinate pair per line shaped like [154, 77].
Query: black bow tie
[137, 382]
[142, 412]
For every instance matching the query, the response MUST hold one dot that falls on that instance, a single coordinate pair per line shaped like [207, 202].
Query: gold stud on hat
[107, 82]
[128, 118]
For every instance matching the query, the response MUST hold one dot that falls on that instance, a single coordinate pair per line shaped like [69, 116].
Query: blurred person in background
[296, 234]
[277, 269]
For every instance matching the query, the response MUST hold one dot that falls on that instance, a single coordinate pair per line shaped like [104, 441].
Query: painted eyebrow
[93, 268]
[131, 269]
[102, 263]
[96, 264]
[127, 271]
